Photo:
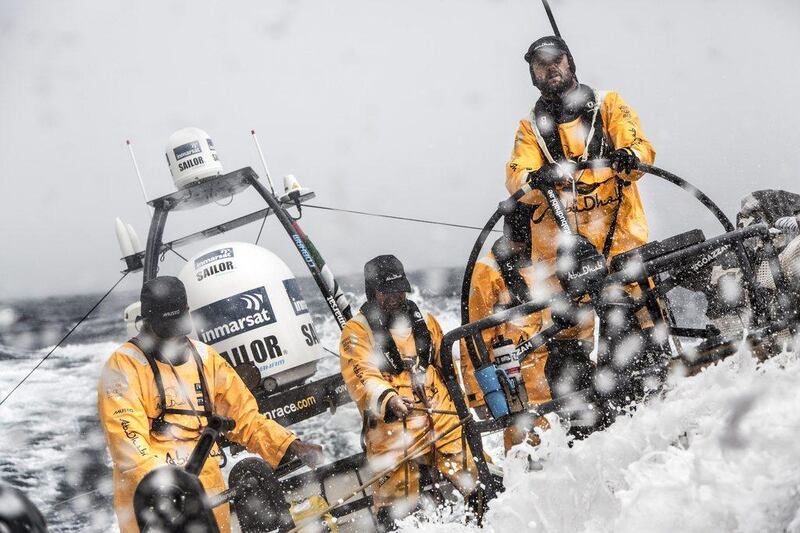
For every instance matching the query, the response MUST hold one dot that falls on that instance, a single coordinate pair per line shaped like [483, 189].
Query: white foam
[718, 453]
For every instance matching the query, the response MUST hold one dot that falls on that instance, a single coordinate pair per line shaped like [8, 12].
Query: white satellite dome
[191, 157]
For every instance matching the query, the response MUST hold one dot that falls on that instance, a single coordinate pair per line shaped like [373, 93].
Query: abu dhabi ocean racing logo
[234, 315]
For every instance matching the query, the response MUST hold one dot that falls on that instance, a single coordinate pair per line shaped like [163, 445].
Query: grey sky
[407, 108]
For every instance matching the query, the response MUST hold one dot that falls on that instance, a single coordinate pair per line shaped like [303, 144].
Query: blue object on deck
[492, 393]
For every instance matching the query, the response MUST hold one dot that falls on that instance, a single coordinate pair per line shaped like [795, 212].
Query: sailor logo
[185, 150]
[233, 316]
[193, 162]
[393, 277]
[295, 296]
[213, 263]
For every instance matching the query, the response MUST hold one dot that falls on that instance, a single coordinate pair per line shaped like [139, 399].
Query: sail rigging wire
[43, 359]
[393, 217]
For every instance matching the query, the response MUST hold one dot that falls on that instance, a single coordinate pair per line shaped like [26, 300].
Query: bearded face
[551, 74]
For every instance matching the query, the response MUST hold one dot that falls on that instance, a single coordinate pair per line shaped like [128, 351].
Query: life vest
[379, 323]
[159, 423]
[583, 103]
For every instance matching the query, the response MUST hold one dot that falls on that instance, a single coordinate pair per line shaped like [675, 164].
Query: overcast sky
[405, 107]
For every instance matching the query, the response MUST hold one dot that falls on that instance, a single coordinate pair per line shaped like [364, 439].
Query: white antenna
[263, 161]
[139, 175]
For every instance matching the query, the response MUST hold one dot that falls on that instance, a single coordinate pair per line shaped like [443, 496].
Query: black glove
[623, 160]
[549, 174]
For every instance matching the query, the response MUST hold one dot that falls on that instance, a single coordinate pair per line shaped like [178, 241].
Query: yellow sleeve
[124, 418]
[360, 371]
[436, 339]
[625, 131]
[526, 157]
[253, 430]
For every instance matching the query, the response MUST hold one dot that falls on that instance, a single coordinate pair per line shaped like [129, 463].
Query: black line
[262, 226]
[393, 217]
[89, 312]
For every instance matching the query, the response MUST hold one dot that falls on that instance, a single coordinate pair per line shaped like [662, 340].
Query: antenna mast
[551, 17]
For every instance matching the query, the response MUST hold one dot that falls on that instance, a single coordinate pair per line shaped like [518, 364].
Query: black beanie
[553, 44]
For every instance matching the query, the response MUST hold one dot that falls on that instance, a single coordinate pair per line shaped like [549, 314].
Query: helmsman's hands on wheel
[549, 175]
[623, 160]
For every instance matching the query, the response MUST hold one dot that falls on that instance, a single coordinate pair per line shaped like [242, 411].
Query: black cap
[517, 224]
[165, 308]
[550, 45]
[385, 273]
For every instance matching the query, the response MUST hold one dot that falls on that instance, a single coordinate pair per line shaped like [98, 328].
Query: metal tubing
[286, 222]
[154, 236]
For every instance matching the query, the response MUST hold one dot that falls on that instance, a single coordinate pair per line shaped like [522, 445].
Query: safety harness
[584, 103]
[159, 423]
[379, 323]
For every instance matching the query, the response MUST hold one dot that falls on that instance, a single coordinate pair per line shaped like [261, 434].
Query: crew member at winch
[390, 363]
[156, 393]
[574, 122]
[502, 279]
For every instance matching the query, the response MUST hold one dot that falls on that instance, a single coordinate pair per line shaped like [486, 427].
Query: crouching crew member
[502, 279]
[156, 393]
[390, 363]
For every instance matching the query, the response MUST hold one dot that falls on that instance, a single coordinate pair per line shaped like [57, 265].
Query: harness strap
[378, 323]
[518, 290]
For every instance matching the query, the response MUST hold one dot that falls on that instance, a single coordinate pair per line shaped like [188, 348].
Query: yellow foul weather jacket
[598, 191]
[386, 441]
[128, 403]
[371, 389]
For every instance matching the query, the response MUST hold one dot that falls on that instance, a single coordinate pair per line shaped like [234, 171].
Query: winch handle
[216, 425]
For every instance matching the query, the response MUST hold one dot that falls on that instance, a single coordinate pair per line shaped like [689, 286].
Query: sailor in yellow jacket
[502, 279]
[573, 122]
[156, 392]
[390, 363]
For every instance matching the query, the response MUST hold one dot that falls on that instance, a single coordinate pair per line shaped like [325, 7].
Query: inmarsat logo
[213, 263]
[210, 257]
[185, 150]
[233, 316]
[295, 296]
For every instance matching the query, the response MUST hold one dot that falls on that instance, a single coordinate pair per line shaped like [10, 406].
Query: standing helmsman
[572, 122]
[157, 392]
